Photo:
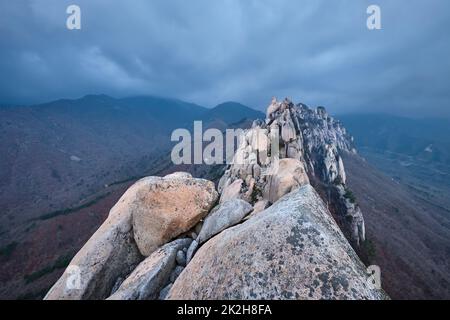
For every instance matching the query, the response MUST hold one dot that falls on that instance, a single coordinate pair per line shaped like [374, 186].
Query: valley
[426, 181]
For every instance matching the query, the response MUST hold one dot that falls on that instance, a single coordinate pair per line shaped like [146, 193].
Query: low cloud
[317, 52]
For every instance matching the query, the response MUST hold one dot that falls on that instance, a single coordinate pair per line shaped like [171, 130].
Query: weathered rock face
[167, 207]
[151, 275]
[109, 254]
[309, 146]
[222, 217]
[293, 250]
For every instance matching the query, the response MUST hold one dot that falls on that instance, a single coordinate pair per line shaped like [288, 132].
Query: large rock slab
[151, 275]
[150, 213]
[293, 250]
[289, 175]
[167, 207]
[222, 217]
[109, 254]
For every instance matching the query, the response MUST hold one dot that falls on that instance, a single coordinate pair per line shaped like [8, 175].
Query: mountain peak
[232, 112]
[231, 104]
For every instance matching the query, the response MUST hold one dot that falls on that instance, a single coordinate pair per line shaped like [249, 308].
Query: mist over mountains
[208, 52]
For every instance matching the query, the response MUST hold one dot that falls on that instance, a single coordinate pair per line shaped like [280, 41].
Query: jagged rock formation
[293, 147]
[270, 236]
[293, 250]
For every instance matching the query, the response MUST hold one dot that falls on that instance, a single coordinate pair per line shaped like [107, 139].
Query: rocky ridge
[308, 145]
[267, 234]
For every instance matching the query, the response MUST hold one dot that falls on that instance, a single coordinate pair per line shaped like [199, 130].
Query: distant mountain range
[67, 149]
[406, 202]
[424, 139]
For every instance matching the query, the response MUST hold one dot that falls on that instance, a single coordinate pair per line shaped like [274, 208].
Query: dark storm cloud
[318, 52]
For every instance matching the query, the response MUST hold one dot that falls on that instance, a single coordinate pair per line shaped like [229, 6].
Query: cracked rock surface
[293, 250]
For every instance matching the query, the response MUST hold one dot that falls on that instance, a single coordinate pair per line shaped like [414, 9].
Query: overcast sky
[204, 51]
